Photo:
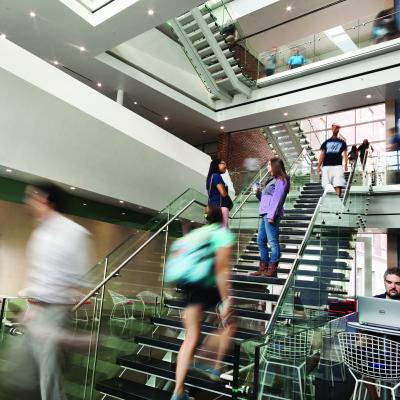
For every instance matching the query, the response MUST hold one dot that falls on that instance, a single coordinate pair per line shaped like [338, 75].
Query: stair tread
[241, 333]
[166, 370]
[131, 390]
[239, 311]
[173, 344]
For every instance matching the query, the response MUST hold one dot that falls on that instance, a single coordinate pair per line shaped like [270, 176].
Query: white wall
[160, 56]
[56, 127]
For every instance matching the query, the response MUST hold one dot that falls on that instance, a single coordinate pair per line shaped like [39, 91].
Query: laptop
[378, 312]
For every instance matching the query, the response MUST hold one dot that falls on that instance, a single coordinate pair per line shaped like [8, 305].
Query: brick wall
[237, 147]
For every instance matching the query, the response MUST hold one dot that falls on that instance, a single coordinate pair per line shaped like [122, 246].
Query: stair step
[257, 280]
[130, 390]
[168, 343]
[166, 370]
[253, 295]
[206, 328]
[293, 224]
[239, 311]
[328, 262]
[324, 274]
[344, 255]
[300, 217]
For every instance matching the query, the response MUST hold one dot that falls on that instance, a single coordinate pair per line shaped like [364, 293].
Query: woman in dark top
[217, 189]
[362, 149]
[353, 154]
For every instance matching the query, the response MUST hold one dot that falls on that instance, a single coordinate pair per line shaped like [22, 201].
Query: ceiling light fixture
[32, 14]
[123, 213]
[150, 11]
[135, 103]
[166, 118]
[9, 170]
[72, 187]
[3, 36]
[289, 8]
[222, 128]
[368, 96]
[121, 201]
[285, 114]
[55, 62]
[99, 84]
[84, 204]
[82, 48]
[204, 131]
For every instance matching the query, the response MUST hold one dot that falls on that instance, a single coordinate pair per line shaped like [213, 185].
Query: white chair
[290, 352]
[121, 301]
[149, 300]
[371, 360]
[331, 355]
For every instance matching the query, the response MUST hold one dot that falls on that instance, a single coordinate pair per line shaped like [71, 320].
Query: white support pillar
[366, 274]
[120, 97]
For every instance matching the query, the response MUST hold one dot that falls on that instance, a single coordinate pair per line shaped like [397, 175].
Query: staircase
[287, 141]
[209, 47]
[322, 276]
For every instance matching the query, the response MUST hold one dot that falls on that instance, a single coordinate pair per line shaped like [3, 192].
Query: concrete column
[120, 97]
[393, 250]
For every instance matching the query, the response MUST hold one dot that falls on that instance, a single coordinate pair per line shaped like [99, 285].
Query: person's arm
[346, 160]
[222, 270]
[321, 161]
[221, 190]
[277, 199]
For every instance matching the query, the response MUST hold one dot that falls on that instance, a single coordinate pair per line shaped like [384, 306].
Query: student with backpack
[199, 264]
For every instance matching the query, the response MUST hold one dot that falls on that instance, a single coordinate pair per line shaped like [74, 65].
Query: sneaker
[206, 371]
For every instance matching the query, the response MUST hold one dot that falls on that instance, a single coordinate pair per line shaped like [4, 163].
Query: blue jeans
[268, 236]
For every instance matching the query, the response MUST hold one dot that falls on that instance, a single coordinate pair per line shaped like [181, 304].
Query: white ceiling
[57, 32]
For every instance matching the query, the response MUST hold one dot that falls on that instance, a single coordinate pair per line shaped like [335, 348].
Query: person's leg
[338, 179]
[225, 216]
[192, 320]
[273, 241]
[272, 231]
[263, 248]
[225, 337]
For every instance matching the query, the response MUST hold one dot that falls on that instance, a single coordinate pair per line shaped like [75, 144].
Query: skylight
[94, 5]
[341, 39]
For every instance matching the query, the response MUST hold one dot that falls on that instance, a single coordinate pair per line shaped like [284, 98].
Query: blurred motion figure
[58, 257]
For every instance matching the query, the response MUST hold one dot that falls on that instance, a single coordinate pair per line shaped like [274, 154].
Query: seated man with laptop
[379, 315]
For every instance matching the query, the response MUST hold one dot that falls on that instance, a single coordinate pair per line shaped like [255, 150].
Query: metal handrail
[134, 254]
[296, 262]
[349, 182]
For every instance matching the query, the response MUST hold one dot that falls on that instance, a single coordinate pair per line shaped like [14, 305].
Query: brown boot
[262, 269]
[272, 270]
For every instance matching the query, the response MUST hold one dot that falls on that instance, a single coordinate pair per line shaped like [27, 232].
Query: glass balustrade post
[164, 261]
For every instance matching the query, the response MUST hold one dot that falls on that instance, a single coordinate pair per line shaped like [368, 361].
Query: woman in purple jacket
[272, 198]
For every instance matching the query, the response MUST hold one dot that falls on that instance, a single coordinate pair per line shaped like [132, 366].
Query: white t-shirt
[58, 256]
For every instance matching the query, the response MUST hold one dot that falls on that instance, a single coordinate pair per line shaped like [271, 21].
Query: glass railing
[299, 346]
[333, 42]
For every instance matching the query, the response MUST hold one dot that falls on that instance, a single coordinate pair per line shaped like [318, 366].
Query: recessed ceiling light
[55, 62]
[123, 213]
[84, 204]
[121, 201]
[3, 36]
[98, 84]
[222, 127]
[9, 170]
[32, 14]
[204, 131]
[150, 11]
[72, 187]
[166, 118]
[140, 207]
[135, 103]
[82, 48]
[285, 114]
[289, 8]
[368, 96]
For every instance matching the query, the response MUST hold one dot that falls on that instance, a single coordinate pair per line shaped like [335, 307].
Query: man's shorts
[333, 175]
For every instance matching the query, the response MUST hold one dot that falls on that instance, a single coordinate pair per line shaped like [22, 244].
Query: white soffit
[83, 9]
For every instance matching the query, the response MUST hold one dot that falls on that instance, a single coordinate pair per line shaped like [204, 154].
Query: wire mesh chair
[373, 358]
[331, 355]
[290, 352]
[149, 300]
[119, 300]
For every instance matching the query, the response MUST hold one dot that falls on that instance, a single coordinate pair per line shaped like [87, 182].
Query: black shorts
[207, 298]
